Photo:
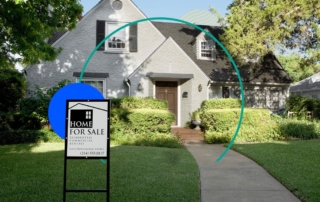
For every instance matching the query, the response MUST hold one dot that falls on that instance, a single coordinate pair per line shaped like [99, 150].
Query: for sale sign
[87, 128]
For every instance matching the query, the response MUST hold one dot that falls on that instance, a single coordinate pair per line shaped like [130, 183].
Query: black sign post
[87, 136]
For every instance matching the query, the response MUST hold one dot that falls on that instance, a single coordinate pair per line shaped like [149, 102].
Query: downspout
[208, 86]
[129, 86]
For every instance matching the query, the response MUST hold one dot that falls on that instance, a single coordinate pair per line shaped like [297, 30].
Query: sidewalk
[235, 178]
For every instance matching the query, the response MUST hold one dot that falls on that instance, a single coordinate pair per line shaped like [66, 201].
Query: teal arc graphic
[202, 30]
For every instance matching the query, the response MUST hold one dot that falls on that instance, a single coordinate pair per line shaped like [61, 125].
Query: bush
[139, 103]
[217, 138]
[119, 121]
[146, 120]
[302, 129]
[226, 103]
[17, 121]
[301, 105]
[13, 86]
[39, 100]
[115, 102]
[220, 125]
[141, 120]
[146, 139]
[28, 136]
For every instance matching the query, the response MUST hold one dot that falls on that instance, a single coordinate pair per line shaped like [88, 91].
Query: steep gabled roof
[221, 70]
[56, 35]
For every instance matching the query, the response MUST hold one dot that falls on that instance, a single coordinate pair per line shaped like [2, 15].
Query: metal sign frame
[106, 157]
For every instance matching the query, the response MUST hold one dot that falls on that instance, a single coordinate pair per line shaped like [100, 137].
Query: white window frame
[117, 50]
[104, 93]
[200, 50]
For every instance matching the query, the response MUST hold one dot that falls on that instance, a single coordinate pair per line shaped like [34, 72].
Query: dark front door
[168, 90]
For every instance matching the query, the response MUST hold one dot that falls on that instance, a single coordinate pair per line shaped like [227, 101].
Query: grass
[34, 172]
[294, 163]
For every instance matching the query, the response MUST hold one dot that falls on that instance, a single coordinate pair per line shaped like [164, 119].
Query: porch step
[187, 134]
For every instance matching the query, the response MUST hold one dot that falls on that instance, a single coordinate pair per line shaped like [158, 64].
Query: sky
[170, 8]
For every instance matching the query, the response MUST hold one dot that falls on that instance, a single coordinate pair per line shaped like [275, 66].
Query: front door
[168, 90]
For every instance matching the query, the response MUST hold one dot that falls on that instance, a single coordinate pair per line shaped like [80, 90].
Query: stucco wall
[80, 42]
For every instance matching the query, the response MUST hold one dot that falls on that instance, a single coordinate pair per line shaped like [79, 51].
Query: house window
[225, 92]
[99, 84]
[122, 41]
[206, 49]
[119, 40]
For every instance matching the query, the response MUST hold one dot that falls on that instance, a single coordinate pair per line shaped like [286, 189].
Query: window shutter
[133, 38]
[101, 25]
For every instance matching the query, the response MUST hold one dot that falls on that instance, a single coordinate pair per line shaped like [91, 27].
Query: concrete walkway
[235, 178]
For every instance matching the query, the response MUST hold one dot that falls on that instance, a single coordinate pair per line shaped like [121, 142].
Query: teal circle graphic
[202, 30]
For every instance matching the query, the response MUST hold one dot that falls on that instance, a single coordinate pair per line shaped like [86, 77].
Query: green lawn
[296, 164]
[34, 172]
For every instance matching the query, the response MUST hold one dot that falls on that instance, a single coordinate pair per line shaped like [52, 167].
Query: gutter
[251, 83]
[127, 81]
[208, 86]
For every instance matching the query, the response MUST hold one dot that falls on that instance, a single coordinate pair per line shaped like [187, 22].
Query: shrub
[119, 121]
[13, 86]
[226, 103]
[217, 138]
[18, 121]
[6, 121]
[220, 125]
[139, 103]
[115, 102]
[300, 105]
[146, 120]
[28, 136]
[40, 98]
[146, 139]
[302, 129]
[141, 120]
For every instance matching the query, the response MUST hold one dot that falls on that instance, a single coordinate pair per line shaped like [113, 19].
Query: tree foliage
[25, 25]
[253, 28]
[294, 65]
[13, 87]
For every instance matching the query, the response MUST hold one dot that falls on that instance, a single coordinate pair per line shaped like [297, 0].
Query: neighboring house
[169, 61]
[309, 87]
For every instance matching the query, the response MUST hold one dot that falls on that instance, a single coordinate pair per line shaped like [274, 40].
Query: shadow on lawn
[34, 174]
[17, 148]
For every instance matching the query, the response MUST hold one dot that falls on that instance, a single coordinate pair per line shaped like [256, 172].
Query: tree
[253, 28]
[13, 87]
[25, 25]
[293, 64]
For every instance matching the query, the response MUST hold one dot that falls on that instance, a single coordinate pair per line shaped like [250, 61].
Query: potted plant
[195, 119]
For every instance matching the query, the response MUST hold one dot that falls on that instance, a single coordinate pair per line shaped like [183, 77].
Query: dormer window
[206, 50]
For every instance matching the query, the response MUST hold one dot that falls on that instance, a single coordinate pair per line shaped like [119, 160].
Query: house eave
[251, 84]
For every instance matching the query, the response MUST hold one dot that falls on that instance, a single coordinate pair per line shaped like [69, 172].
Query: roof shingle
[221, 70]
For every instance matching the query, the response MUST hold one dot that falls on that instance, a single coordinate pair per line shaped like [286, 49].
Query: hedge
[138, 103]
[303, 129]
[220, 125]
[226, 103]
[141, 120]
